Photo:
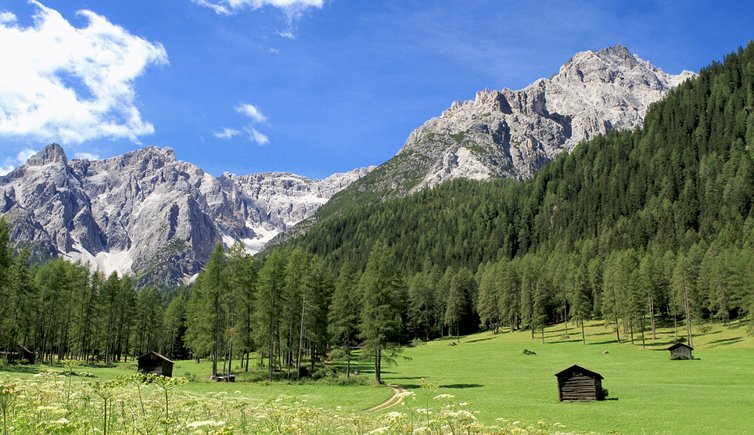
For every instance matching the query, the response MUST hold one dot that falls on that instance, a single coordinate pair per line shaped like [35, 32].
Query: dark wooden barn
[577, 383]
[153, 362]
[681, 351]
[22, 355]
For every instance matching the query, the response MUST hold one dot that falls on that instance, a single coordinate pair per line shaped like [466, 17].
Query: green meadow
[648, 392]
[487, 374]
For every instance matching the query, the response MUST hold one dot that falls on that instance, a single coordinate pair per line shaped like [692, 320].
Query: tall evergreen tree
[381, 289]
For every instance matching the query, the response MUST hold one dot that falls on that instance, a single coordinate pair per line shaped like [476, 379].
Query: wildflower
[210, 423]
[444, 397]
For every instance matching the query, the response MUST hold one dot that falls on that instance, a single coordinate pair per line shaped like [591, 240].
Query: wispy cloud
[257, 137]
[11, 163]
[255, 117]
[252, 112]
[71, 84]
[87, 156]
[230, 7]
[293, 9]
[226, 133]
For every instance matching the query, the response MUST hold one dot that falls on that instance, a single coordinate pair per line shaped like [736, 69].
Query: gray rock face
[511, 134]
[149, 214]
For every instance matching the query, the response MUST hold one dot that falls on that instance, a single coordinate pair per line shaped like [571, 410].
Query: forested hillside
[633, 228]
[658, 220]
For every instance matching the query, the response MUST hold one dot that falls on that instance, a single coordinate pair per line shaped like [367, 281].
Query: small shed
[681, 351]
[578, 384]
[153, 362]
[23, 355]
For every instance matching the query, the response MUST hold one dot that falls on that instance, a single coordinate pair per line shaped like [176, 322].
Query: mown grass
[648, 392]
[488, 374]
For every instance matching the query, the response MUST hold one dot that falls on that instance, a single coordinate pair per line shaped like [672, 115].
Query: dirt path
[395, 399]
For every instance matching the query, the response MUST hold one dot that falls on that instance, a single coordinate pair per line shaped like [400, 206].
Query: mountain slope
[511, 134]
[147, 213]
[684, 180]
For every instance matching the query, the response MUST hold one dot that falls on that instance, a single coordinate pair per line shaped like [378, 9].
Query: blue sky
[306, 86]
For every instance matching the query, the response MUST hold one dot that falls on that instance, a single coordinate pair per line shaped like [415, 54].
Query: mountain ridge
[149, 214]
[511, 134]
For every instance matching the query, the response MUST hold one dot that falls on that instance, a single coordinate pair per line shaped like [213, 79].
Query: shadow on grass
[20, 368]
[479, 339]
[725, 341]
[591, 343]
[461, 386]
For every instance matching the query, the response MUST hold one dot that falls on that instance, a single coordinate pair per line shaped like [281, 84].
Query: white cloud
[230, 7]
[10, 163]
[87, 156]
[227, 133]
[252, 112]
[67, 84]
[7, 17]
[257, 137]
[24, 155]
[293, 9]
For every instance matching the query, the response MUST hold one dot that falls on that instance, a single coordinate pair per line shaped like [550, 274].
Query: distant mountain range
[148, 214]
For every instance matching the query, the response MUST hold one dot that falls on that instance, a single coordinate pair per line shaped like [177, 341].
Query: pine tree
[345, 308]
[380, 287]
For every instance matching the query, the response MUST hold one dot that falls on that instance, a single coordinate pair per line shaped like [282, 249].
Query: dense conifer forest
[635, 228]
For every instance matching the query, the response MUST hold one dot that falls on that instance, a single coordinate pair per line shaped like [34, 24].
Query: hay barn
[22, 355]
[681, 351]
[153, 362]
[579, 384]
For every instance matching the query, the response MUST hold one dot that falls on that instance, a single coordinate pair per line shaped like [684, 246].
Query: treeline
[62, 311]
[682, 187]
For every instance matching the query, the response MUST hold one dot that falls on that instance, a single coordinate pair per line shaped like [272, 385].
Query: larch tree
[345, 307]
[381, 290]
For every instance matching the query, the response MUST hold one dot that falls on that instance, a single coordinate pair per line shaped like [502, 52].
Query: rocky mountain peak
[511, 134]
[51, 154]
[147, 213]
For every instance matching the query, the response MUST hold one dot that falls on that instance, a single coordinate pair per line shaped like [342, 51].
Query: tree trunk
[652, 317]
[687, 308]
[583, 336]
[643, 343]
[348, 361]
[617, 329]
[301, 338]
[378, 366]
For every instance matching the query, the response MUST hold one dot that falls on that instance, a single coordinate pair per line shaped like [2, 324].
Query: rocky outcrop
[511, 134]
[149, 214]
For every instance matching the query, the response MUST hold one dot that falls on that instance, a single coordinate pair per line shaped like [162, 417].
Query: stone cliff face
[511, 134]
[149, 214]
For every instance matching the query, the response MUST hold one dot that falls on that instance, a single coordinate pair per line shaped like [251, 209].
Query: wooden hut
[153, 362]
[22, 355]
[681, 351]
[577, 383]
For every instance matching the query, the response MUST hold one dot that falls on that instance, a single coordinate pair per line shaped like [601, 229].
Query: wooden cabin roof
[149, 354]
[679, 344]
[579, 369]
[24, 349]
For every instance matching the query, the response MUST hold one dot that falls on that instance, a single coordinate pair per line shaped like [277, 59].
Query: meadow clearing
[484, 383]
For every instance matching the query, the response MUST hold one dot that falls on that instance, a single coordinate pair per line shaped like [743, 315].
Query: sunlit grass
[648, 392]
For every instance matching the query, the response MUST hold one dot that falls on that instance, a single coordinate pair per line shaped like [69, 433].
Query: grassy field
[314, 394]
[487, 373]
[648, 392]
